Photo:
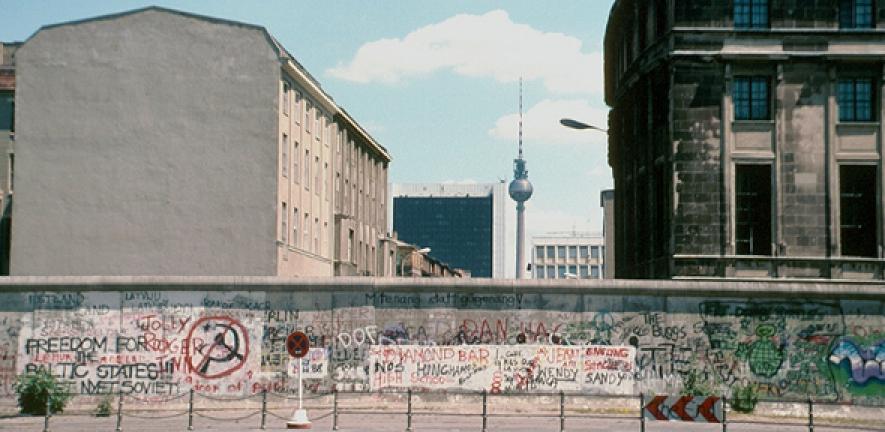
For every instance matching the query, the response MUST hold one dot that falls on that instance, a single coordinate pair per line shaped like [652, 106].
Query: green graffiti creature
[764, 355]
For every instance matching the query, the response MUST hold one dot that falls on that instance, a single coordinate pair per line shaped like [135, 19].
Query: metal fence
[129, 406]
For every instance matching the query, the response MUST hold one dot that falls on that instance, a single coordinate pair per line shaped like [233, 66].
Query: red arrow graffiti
[654, 407]
[707, 408]
[679, 408]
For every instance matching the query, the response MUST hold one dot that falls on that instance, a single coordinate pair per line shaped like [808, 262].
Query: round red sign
[297, 344]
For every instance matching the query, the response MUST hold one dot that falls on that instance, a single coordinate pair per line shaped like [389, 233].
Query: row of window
[857, 210]
[853, 14]
[855, 98]
[568, 272]
[306, 241]
[309, 165]
[570, 252]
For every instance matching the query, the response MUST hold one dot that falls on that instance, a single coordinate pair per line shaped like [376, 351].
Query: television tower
[520, 190]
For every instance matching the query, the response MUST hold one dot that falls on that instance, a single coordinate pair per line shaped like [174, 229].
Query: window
[305, 243]
[298, 112]
[285, 98]
[572, 252]
[594, 252]
[307, 169]
[319, 123]
[583, 272]
[540, 272]
[857, 14]
[316, 235]
[285, 156]
[307, 117]
[857, 202]
[583, 251]
[751, 98]
[539, 252]
[855, 98]
[350, 253]
[285, 229]
[560, 252]
[551, 272]
[750, 14]
[753, 209]
[551, 252]
[7, 111]
[295, 222]
[560, 272]
[316, 174]
[326, 179]
[296, 156]
[573, 271]
[594, 272]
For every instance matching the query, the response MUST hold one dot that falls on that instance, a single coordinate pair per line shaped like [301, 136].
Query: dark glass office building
[458, 230]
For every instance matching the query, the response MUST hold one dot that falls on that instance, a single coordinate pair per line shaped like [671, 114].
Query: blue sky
[436, 82]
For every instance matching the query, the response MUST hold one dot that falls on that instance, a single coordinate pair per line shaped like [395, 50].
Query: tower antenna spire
[520, 117]
[520, 190]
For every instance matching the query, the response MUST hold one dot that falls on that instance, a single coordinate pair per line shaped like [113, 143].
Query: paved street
[384, 423]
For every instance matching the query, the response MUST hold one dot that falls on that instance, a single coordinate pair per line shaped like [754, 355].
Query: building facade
[746, 137]
[7, 148]
[607, 202]
[568, 255]
[362, 243]
[157, 142]
[467, 226]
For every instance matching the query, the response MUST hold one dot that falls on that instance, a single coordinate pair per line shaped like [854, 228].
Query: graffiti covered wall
[229, 340]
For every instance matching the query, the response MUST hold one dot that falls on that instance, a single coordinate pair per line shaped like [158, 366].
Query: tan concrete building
[568, 255]
[362, 244]
[157, 142]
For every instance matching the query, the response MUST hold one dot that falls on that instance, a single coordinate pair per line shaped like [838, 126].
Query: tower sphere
[521, 190]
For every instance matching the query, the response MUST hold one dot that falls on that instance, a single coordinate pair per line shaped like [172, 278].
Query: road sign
[297, 344]
[705, 409]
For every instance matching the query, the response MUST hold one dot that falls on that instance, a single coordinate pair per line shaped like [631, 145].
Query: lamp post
[609, 247]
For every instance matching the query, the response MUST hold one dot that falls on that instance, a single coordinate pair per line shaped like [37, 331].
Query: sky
[436, 83]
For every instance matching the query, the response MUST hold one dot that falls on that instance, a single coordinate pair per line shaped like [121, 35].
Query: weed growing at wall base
[744, 398]
[34, 389]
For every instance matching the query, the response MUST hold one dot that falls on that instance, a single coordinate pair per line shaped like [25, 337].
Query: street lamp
[574, 124]
[609, 247]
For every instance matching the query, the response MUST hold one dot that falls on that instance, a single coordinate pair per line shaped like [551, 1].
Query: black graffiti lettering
[65, 344]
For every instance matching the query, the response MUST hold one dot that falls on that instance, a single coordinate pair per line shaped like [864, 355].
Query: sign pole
[300, 385]
[298, 346]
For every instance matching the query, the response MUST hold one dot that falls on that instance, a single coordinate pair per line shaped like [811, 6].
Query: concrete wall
[158, 337]
[171, 170]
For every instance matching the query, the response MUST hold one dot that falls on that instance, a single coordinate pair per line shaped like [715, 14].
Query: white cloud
[540, 221]
[541, 123]
[488, 45]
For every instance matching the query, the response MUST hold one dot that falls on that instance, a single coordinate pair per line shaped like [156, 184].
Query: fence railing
[129, 406]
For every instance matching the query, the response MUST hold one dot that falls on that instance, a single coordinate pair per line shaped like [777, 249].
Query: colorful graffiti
[156, 344]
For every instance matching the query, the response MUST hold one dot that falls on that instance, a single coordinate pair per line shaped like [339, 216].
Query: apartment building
[745, 137]
[568, 255]
[158, 142]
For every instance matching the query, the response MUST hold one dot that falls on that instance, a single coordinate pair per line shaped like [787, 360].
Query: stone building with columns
[746, 138]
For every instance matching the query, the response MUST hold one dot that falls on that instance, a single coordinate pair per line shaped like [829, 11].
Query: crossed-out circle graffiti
[219, 346]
